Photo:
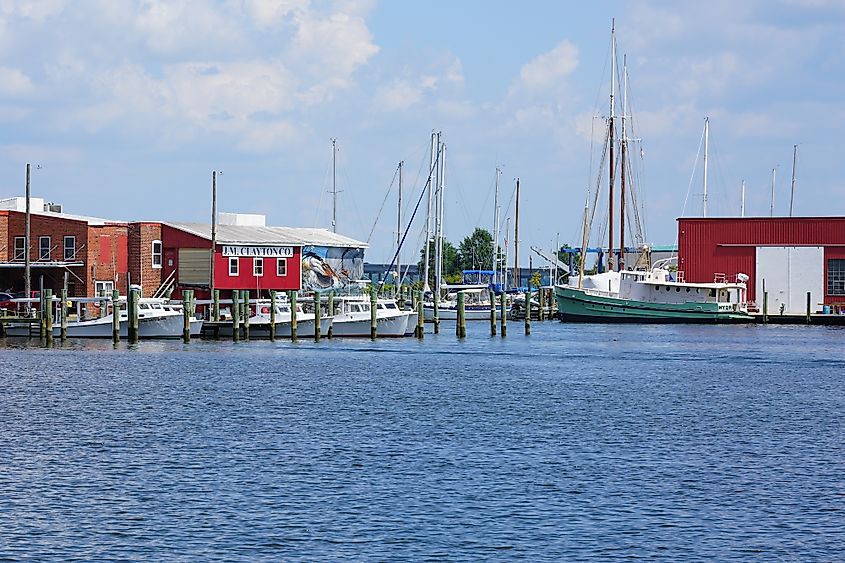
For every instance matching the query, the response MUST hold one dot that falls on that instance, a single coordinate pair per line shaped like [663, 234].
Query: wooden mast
[611, 142]
[622, 164]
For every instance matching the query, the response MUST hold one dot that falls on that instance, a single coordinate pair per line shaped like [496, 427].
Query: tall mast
[792, 190]
[611, 141]
[742, 208]
[622, 170]
[706, 143]
[431, 162]
[438, 266]
[772, 205]
[399, 228]
[27, 277]
[505, 262]
[516, 237]
[496, 229]
[213, 228]
[334, 185]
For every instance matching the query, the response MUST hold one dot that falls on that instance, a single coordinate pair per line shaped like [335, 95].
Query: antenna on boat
[792, 190]
[742, 207]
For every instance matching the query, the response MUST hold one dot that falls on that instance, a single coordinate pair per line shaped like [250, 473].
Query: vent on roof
[243, 219]
[53, 207]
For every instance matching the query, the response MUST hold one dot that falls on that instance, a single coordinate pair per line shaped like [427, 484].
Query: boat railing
[681, 276]
[720, 278]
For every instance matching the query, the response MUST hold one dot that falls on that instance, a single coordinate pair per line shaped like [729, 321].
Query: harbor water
[577, 442]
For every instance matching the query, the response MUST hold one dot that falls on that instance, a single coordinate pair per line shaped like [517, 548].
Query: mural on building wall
[331, 267]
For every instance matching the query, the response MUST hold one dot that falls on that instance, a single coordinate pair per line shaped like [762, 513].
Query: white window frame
[156, 257]
[104, 285]
[258, 267]
[282, 267]
[72, 247]
[20, 254]
[41, 253]
[234, 261]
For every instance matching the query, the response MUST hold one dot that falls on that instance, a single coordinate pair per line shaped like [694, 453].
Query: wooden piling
[330, 312]
[436, 312]
[132, 315]
[420, 332]
[272, 315]
[528, 311]
[492, 313]
[504, 315]
[765, 307]
[542, 298]
[461, 325]
[236, 316]
[115, 316]
[373, 312]
[317, 317]
[292, 299]
[48, 315]
[809, 311]
[247, 313]
[215, 306]
[63, 315]
[187, 297]
[42, 318]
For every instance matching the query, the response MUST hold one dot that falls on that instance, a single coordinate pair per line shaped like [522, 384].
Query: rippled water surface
[577, 442]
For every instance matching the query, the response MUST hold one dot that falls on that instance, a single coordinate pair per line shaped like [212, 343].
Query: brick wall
[141, 237]
[4, 237]
[106, 256]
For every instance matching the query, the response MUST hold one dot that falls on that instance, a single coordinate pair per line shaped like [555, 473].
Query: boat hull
[169, 326]
[392, 326]
[575, 305]
[471, 313]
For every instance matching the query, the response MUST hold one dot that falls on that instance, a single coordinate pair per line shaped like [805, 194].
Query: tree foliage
[476, 251]
[450, 262]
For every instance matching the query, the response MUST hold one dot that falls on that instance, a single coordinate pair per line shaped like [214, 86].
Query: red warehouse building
[787, 257]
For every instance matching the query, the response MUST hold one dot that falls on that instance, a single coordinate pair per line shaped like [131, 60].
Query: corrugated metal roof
[296, 236]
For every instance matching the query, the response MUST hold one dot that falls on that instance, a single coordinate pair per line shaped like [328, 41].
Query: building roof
[294, 236]
[37, 207]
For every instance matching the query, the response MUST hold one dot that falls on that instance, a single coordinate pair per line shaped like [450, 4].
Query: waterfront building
[786, 257]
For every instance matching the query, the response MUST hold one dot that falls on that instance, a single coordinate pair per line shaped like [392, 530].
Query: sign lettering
[259, 251]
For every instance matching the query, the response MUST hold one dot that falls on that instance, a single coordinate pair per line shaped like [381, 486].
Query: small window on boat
[678, 289]
[667, 288]
[687, 290]
[712, 293]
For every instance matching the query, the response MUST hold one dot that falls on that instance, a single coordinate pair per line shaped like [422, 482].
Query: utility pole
[27, 280]
[742, 207]
[772, 206]
[792, 190]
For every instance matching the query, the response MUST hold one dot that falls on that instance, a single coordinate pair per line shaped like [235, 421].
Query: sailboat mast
[772, 205]
[792, 190]
[505, 262]
[623, 159]
[496, 228]
[399, 228]
[334, 185]
[516, 238]
[706, 146]
[612, 142]
[438, 267]
[427, 250]
[742, 208]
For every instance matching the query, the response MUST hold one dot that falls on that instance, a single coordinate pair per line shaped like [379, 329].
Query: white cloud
[269, 13]
[414, 88]
[14, 83]
[549, 69]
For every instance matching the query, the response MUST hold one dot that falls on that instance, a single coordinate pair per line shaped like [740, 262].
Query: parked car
[6, 300]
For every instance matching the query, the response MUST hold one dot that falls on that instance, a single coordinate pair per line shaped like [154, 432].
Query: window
[70, 248]
[43, 248]
[281, 267]
[20, 248]
[156, 254]
[103, 288]
[258, 267]
[233, 265]
[836, 276]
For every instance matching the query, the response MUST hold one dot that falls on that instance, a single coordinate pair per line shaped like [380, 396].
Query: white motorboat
[157, 318]
[353, 318]
[259, 321]
[476, 304]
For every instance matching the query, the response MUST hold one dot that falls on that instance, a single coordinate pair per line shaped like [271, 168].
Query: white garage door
[788, 273]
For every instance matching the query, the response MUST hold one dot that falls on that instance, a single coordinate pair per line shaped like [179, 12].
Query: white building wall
[787, 273]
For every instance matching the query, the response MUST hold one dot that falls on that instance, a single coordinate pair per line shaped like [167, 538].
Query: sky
[128, 106]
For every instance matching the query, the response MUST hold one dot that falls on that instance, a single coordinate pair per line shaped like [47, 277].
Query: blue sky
[129, 105]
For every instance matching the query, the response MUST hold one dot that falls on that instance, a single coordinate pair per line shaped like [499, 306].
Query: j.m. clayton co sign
[259, 251]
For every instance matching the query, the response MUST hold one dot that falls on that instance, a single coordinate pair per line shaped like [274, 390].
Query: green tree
[476, 251]
[450, 262]
[536, 279]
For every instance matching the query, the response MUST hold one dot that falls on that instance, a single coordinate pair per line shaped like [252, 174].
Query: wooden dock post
[461, 325]
[420, 320]
[236, 316]
[247, 313]
[187, 297]
[272, 315]
[765, 307]
[809, 308]
[115, 316]
[48, 315]
[492, 313]
[542, 298]
[132, 315]
[436, 312]
[215, 305]
[42, 318]
[373, 312]
[330, 312]
[317, 317]
[504, 315]
[528, 311]
[292, 299]
[63, 315]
